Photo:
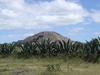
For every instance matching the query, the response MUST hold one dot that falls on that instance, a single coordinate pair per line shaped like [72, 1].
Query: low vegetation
[47, 66]
[50, 58]
[89, 51]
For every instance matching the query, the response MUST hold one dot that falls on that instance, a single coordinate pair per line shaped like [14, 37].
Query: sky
[78, 20]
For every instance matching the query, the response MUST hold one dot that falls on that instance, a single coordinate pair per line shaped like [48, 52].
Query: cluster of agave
[89, 51]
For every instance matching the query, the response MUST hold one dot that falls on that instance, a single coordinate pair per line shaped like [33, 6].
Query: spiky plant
[6, 49]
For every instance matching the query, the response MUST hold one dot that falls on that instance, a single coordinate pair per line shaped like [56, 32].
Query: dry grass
[34, 66]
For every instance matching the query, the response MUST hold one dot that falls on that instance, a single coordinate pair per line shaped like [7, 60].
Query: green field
[38, 66]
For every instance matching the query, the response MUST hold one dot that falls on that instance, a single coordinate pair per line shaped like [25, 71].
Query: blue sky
[78, 20]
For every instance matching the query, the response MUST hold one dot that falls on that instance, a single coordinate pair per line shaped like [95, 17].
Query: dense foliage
[89, 51]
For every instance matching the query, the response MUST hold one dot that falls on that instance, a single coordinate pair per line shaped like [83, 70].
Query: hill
[54, 36]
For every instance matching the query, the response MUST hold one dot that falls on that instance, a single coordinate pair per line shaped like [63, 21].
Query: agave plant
[45, 47]
[92, 46]
[97, 51]
[65, 47]
[33, 47]
[25, 50]
[42, 47]
[6, 49]
[74, 51]
[92, 50]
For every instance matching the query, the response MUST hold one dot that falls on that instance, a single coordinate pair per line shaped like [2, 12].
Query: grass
[37, 66]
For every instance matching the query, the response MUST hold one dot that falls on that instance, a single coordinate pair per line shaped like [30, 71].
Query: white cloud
[11, 36]
[8, 13]
[75, 31]
[95, 15]
[1, 42]
[27, 35]
[19, 35]
[72, 34]
[73, 0]
[16, 14]
[97, 33]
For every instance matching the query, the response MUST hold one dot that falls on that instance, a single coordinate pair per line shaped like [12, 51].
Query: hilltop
[45, 35]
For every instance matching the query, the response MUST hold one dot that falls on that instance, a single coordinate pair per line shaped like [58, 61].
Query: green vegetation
[89, 51]
[50, 58]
